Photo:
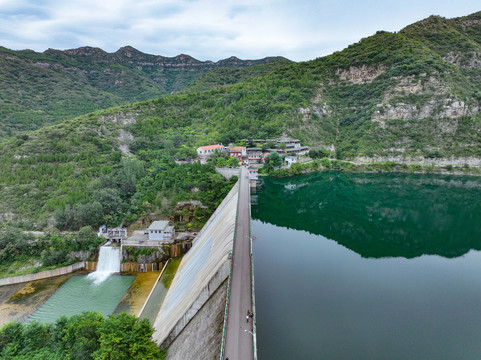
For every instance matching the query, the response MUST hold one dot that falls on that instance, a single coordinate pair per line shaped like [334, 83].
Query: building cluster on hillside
[254, 156]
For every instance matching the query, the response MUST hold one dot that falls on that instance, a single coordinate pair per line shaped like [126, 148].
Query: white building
[112, 234]
[205, 151]
[289, 160]
[160, 230]
[253, 173]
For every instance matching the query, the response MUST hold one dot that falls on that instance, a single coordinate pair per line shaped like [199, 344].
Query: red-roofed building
[205, 151]
[238, 152]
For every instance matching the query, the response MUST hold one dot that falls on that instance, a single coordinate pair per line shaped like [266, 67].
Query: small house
[289, 160]
[160, 230]
[113, 234]
[253, 173]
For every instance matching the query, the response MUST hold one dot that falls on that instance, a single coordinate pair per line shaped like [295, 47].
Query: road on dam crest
[239, 343]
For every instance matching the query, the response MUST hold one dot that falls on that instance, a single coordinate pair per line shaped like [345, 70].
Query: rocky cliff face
[360, 74]
[413, 95]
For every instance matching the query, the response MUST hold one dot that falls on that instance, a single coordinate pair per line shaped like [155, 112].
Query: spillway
[108, 264]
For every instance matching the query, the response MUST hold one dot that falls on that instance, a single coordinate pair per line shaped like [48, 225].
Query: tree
[35, 336]
[272, 161]
[65, 218]
[232, 161]
[84, 336]
[319, 153]
[81, 335]
[86, 239]
[110, 201]
[90, 214]
[221, 162]
[123, 336]
[10, 339]
[186, 153]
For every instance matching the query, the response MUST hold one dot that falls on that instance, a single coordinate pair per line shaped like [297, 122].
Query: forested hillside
[229, 76]
[43, 88]
[412, 96]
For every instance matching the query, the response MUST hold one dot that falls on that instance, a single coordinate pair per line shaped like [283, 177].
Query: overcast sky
[212, 29]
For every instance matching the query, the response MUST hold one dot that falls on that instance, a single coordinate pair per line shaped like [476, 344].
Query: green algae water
[159, 291]
[81, 293]
[368, 266]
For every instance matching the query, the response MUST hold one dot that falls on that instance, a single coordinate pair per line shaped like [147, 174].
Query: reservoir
[368, 266]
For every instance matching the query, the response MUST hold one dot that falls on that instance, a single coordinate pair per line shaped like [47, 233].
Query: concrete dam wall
[202, 270]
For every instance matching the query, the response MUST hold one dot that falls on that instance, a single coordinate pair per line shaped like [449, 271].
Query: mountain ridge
[90, 79]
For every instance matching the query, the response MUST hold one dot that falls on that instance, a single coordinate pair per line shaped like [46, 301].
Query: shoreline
[326, 164]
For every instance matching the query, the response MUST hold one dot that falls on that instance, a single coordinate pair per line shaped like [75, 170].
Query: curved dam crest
[202, 270]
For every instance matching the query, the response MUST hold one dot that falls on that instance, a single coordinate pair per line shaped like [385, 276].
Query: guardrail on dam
[202, 270]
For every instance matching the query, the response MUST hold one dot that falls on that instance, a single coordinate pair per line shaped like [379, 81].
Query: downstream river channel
[368, 267]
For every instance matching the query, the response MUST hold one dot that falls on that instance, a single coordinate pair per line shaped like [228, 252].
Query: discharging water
[81, 293]
[108, 264]
[368, 267]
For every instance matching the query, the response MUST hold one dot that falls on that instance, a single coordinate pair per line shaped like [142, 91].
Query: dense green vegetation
[98, 186]
[230, 76]
[44, 88]
[392, 94]
[85, 336]
[272, 161]
[22, 252]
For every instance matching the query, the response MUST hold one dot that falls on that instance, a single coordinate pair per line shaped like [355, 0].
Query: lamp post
[250, 332]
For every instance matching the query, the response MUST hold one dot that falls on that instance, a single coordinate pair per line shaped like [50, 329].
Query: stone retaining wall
[43, 274]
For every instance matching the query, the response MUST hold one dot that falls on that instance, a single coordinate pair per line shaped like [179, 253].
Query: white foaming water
[109, 263]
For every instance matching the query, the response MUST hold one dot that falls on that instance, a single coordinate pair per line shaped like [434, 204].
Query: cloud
[209, 29]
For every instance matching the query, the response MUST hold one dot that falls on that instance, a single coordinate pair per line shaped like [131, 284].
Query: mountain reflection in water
[379, 215]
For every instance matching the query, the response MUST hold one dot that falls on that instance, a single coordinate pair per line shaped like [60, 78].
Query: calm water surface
[368, 266]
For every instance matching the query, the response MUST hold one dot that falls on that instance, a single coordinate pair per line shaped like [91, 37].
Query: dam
[220, 253]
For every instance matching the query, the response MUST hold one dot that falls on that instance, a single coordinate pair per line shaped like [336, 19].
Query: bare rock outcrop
[417, 86]
[360, 75]
[445, 108]
[473, 60]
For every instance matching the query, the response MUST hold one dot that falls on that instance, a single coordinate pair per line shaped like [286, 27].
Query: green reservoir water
[368, 266]
[80, 293]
